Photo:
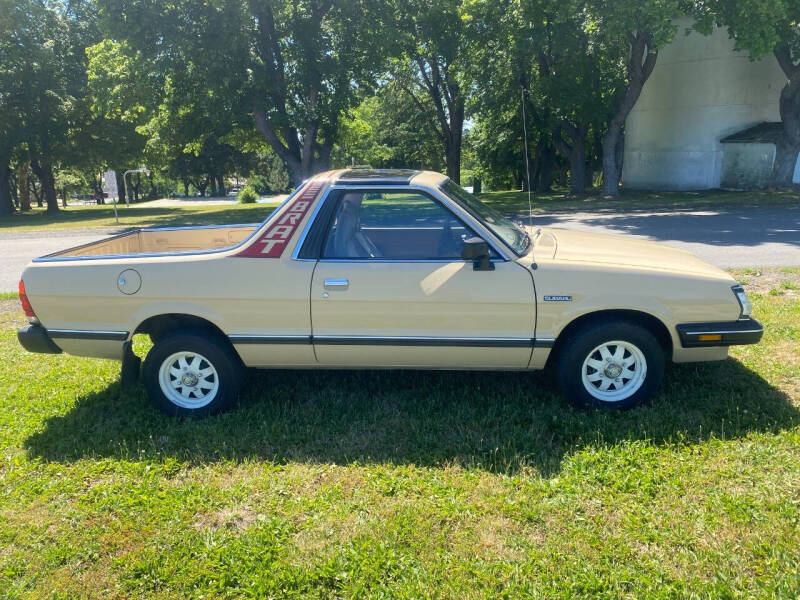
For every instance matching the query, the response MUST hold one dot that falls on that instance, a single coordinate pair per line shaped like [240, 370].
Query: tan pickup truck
[383, 269]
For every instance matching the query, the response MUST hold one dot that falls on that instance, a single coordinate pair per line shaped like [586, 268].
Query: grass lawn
[392, 484]
[515, 201]
[80, 217]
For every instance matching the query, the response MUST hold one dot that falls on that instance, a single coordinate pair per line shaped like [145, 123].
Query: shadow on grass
[500, 422]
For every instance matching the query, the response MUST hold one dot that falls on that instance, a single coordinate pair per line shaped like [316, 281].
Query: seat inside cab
[401, 225]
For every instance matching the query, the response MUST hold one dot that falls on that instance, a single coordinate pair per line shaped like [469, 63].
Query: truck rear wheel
[612, 364]
[190, 376]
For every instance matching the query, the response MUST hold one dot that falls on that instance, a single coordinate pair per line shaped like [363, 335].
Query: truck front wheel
[612, 364]
[190, 376]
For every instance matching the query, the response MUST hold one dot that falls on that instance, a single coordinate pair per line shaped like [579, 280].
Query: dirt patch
[11, 315]
[784, 281]
[9, 305]
[236, 518]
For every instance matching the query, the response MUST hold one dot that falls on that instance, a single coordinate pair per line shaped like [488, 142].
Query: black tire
[227, 375]
[579, 347]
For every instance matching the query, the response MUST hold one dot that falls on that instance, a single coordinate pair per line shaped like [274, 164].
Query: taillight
[26, 304]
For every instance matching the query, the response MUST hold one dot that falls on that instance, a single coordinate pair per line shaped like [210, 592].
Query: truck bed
[162, 240]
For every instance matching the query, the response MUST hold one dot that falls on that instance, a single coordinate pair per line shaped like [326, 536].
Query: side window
[401, 225]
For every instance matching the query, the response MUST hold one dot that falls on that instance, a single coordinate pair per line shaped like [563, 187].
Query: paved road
[742, 237]
[17, 249]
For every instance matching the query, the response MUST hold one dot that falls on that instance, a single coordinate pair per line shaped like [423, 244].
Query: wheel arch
[652, 323]
[161, 325]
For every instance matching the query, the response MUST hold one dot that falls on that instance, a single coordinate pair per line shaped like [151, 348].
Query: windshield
[501, 226]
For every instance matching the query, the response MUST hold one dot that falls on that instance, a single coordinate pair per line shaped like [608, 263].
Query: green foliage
[389, 130]
[293, 66]
[756, 26]
[270, 176]
[247, 195]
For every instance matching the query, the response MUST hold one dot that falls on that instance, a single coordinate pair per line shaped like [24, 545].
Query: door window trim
[445, 202]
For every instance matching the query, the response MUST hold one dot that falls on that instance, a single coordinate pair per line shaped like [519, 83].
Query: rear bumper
[34, 338]
[727, 333]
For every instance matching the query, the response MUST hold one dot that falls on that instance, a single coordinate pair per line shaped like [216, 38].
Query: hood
[606, 249]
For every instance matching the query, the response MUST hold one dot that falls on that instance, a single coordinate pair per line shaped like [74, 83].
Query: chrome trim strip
[88, 334]
[181, 227]
[374, 340]
[723, 332]
[55, 258]
[397, 260]
[368, 340]
[307, 228]
[269, 339]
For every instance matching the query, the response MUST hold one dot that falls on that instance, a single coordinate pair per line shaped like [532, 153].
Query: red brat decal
[274, 238]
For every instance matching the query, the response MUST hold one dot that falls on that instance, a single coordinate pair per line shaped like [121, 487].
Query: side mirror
[477, 250]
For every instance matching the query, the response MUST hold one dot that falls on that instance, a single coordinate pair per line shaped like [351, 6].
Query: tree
[385, 131]
[433, 69]
[503, 65]
[629, 34]
[12, 61]
[292, 68]
[559, 61]
[764, 27]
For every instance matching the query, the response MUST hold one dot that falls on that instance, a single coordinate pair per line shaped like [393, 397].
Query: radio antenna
[527, 162]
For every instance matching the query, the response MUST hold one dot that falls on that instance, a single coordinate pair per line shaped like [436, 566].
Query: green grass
[9, 295]
[80, 217]
[391, 484]
[514, 201]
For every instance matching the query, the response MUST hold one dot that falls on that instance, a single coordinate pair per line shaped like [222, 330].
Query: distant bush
[247, 195]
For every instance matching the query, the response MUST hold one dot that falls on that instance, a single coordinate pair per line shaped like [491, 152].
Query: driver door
[391, 290]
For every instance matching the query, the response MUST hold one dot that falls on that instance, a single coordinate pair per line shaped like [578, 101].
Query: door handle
[337, 284]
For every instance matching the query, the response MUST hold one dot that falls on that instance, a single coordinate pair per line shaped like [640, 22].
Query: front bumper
[727, 333]
[34, 338]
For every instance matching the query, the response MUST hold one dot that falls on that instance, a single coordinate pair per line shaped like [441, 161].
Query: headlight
[744, 301]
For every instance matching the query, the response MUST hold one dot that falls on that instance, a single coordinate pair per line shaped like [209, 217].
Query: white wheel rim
[614, 371]
[188, 379]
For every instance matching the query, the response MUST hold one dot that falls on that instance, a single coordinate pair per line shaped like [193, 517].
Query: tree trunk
[454, 143]
[121, 192]
[641, 62]
[577, 168]
[136, 186]
[64, 197]
[24, 187]
[47, 181]
[290, 153]
[12, 182]
[6, 202]
[547, 153]
[786, 154]
[610, 167]
[575, 152]
[185, 188]
[788, 147]
[37, 193]
[454, 163]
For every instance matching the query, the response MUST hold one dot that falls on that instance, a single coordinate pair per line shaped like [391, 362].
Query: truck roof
[367, 176]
